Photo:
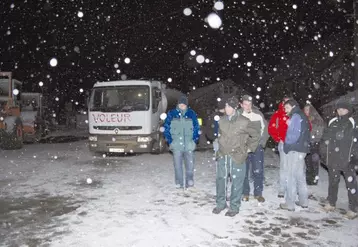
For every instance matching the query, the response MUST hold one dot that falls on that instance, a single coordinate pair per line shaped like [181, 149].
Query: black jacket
[339, 142]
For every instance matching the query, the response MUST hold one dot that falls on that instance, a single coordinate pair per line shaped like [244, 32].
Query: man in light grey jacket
[255, 160]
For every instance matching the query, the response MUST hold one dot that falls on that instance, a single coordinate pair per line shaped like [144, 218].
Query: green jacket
[181, 130]
[237, 137]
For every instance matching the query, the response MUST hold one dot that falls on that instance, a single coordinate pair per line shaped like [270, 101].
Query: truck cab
[124, 117]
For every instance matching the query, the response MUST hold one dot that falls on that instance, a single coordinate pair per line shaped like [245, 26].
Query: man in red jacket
[277, 129]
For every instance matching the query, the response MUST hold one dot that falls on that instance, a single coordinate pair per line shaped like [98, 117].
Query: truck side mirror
[158, 95]
[88, 97]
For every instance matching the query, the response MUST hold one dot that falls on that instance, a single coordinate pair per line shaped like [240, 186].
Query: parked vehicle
[125, 116]
[22, 116]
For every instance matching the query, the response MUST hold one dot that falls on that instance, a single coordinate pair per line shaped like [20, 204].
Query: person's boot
[231, 213]
[245, 198]
[302, 206]
[284, 206]
[350, 215]
[312, 180]
[260, 198]
[329, 208]
[218, 210]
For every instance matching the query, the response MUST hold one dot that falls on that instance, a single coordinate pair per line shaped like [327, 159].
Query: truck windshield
[120, 99]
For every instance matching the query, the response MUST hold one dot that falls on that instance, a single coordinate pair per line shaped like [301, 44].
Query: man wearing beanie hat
[338, 148]
[237, 138]
[255, 160]
[183, 100]
[181, 131]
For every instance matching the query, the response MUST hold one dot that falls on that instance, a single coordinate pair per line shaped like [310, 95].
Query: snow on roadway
[59, 195]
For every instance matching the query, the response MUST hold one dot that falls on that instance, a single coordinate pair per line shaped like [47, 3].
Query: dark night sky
[157, 37]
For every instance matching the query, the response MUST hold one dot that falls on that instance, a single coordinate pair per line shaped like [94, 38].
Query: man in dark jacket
[296, 146]
[338, 145]
[237, 137]
[181, 131]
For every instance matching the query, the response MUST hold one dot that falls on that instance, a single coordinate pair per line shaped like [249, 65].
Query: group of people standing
[242, 132]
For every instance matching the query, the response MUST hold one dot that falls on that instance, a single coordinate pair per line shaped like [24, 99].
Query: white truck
[124, 116]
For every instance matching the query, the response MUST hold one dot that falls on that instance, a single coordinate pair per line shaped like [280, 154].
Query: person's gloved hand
[216, 145]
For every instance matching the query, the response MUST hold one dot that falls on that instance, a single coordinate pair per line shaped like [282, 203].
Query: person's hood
[344, 105]
[281, 108]
[294, 110]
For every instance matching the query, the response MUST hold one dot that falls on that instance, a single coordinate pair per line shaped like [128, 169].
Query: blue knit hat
[183, 100]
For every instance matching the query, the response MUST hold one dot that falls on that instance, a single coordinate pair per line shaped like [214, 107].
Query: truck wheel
[163, 145]
[159, 146]
[13, 136]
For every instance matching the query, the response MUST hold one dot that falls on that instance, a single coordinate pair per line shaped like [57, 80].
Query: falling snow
[200, 59]
[80, 14]
[214, 20]
[53, 62]
[187, 11]
[61, 48]
[219, 5]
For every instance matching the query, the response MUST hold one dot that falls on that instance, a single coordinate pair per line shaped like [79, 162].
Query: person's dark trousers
[349, 174]
[255, 170]
[312, 164]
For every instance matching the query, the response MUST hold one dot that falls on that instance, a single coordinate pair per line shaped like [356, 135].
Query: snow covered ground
[59, 195]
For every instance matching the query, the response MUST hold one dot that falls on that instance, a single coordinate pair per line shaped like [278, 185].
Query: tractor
[21, 114]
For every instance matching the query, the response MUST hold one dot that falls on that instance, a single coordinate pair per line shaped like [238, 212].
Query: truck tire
[13, 136]
[159, 146]
[163, 145]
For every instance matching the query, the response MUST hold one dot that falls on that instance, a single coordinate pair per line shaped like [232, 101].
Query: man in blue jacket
[296, 146]
[181, 131]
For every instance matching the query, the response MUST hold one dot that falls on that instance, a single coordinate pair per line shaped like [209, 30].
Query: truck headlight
[144, 139]
[92, 138]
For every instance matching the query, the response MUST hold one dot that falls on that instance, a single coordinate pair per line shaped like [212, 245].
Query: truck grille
[117, 127]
